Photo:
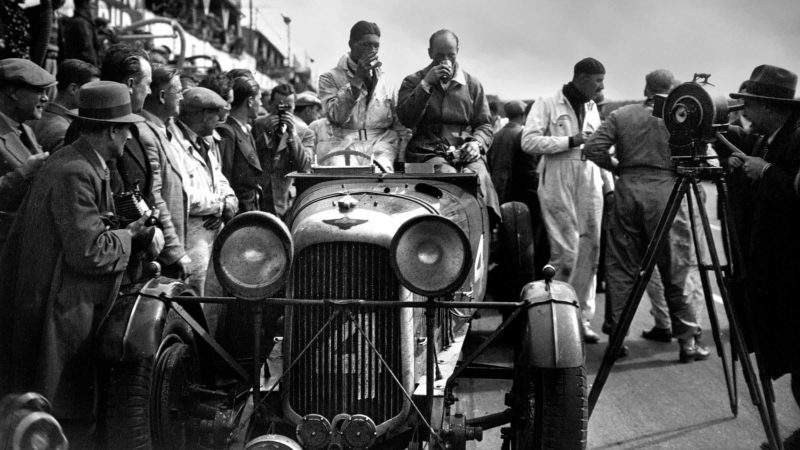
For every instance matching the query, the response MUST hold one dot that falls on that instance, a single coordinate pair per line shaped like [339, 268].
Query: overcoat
[59, 272]
[13, 184]
[773, 265]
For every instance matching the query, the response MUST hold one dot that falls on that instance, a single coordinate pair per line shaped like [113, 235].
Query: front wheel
[145, 403]
[551, 408]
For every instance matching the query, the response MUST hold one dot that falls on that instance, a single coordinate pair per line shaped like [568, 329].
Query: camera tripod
[690, 170]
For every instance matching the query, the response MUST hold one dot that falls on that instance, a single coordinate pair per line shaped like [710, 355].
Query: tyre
[146, 404]
[516, 246]
[551, 409]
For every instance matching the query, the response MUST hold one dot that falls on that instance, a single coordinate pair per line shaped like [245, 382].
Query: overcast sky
[526, 49]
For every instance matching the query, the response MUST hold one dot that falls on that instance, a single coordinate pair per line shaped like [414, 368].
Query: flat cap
[23, 71]
[659, 81]
[307, 99]
[514, 108]
[202, 98]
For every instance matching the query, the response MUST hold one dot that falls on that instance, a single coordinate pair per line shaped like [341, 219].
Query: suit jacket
[52, 127]
[240, 165]
[60, 270]
[172, 183]
[13, 185]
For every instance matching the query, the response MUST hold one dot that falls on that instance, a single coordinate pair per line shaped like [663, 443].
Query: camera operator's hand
[736, 160]
[580, 138]
[438, 72]
[754, 167]
[470, 152]
[365, 66]
[33, 164]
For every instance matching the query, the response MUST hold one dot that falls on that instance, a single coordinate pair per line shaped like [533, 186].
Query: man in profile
[570, 188]
[52, 127]
[446, 107]
[772, 164]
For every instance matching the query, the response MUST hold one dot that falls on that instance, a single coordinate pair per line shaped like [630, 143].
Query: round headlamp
[253, 255]
[431, 255]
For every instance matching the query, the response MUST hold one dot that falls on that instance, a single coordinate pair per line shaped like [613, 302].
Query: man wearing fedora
[773, 268]
[22, 97]
[64, 260]
[646, 178]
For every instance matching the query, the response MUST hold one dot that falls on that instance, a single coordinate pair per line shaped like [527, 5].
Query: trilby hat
[770, 84]
[105, 101]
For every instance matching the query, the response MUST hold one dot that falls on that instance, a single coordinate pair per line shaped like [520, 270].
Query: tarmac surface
[650, 400]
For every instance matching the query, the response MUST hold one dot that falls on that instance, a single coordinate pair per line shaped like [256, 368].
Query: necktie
[26, 140]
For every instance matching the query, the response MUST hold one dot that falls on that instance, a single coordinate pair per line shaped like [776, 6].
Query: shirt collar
[241, 125]
[459, 76]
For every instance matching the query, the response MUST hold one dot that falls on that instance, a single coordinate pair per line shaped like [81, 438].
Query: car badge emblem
[345, 223]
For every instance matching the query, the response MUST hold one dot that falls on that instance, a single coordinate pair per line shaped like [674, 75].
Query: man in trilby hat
[64, 259]
[772, 163]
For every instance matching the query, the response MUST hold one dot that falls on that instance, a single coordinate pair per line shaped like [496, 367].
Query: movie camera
[695, 114]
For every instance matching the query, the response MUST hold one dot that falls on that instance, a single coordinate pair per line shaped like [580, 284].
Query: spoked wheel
[147, 403]
[551, 409]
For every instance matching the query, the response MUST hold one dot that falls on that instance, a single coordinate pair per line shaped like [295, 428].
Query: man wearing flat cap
[646, 179]
[570, 188]
[212, 201]
[307, 107]
[63, 264]
[22, 97]
[360, 105]
[772, 163]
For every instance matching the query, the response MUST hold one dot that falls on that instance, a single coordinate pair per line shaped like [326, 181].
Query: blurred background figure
[51, 129]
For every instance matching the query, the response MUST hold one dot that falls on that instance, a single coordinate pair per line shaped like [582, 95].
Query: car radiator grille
[340, 373]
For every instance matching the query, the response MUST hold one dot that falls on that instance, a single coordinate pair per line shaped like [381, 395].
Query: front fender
[552, 335]
[132, 330]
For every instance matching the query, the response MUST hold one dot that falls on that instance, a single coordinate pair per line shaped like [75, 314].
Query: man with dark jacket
[773, 269]
[22, 97]
[240, 162]
[446, 107]
[52, 127]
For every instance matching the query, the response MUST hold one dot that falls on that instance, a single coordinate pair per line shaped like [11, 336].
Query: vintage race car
[345, 328]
